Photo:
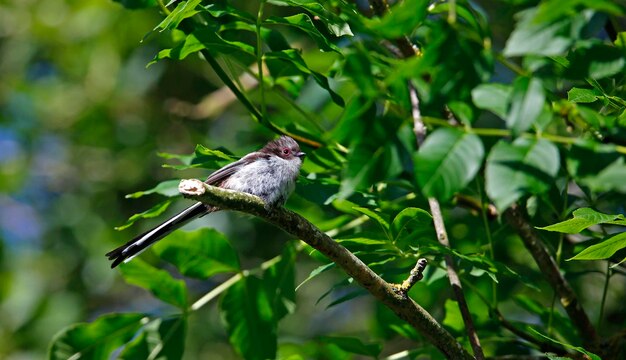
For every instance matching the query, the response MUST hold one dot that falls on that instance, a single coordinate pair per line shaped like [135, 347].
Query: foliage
[524, 104]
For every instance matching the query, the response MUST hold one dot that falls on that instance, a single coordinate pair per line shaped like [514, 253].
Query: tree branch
[294, 224]
[550, 269]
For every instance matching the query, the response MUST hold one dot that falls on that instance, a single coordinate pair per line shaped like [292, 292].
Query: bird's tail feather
[132, 248]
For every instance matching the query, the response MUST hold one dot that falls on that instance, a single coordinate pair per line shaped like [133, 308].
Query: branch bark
[550, 269]
[294, 224]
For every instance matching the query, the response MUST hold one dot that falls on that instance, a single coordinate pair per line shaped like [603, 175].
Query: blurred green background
[81, 122]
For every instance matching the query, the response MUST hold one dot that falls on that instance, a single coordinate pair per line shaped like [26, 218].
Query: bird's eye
[286, 151]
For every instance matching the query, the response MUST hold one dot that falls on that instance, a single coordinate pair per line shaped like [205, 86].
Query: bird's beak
[301, 155]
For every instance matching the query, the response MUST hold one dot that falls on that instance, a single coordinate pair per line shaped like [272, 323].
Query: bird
[269, 173]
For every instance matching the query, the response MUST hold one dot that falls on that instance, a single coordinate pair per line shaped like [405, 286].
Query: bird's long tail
[132, 248]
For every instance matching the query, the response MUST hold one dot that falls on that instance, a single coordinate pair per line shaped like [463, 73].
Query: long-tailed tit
[269, 173]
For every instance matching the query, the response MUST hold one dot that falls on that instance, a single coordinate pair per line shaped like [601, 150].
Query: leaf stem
[259, 57]
[607, 277]
[483, 213]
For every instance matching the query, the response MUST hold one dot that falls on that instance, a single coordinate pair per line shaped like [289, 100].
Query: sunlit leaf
[159, 282]
[584, 218]
[527, 101]
[447, 161]
[579, 95]
[334, 23]
[493, 97]
[154, 211]
[399, 20]
[95, 340]
[304, 23]
[167, 188]
[200, 254]
[604, 249]
[183, 10]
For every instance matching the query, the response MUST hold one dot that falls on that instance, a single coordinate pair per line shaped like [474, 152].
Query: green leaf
[95, 340]
[159, 282]
[318, 270]
[596, 61]
[333, 22]
[584, 218]
[247, 311]
[493, 97]
[167, 188]
[207, 37]
[592, 356]
[353, 345]
[447, 161]
[527, 101]
[137, 4]
[409, 220]
[400, 20]
[159, 339]
[524, 167]
[539, 38]
[453, 318]
[603, 250]
[292, 57]
[374, 215]
[579, 95]
[279, 280]
[184, 10]
[154, 211]
[610, 178]
[199, 254]
[304, 23]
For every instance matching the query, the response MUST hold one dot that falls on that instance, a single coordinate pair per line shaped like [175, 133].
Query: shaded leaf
[521, 168]
[199, 254]
[447, 161]
[279, 280]
[604, 249]
[374, 215]
[353, 345]
[95, 340]
[246, 309]
[159, 282]
[410, 219]
[159, 339]
[293, 57]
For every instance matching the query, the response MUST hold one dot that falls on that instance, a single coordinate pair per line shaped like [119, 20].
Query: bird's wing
[225, 172]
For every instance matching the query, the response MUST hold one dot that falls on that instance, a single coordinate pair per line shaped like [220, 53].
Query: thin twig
[294, 224]
[416, 274]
